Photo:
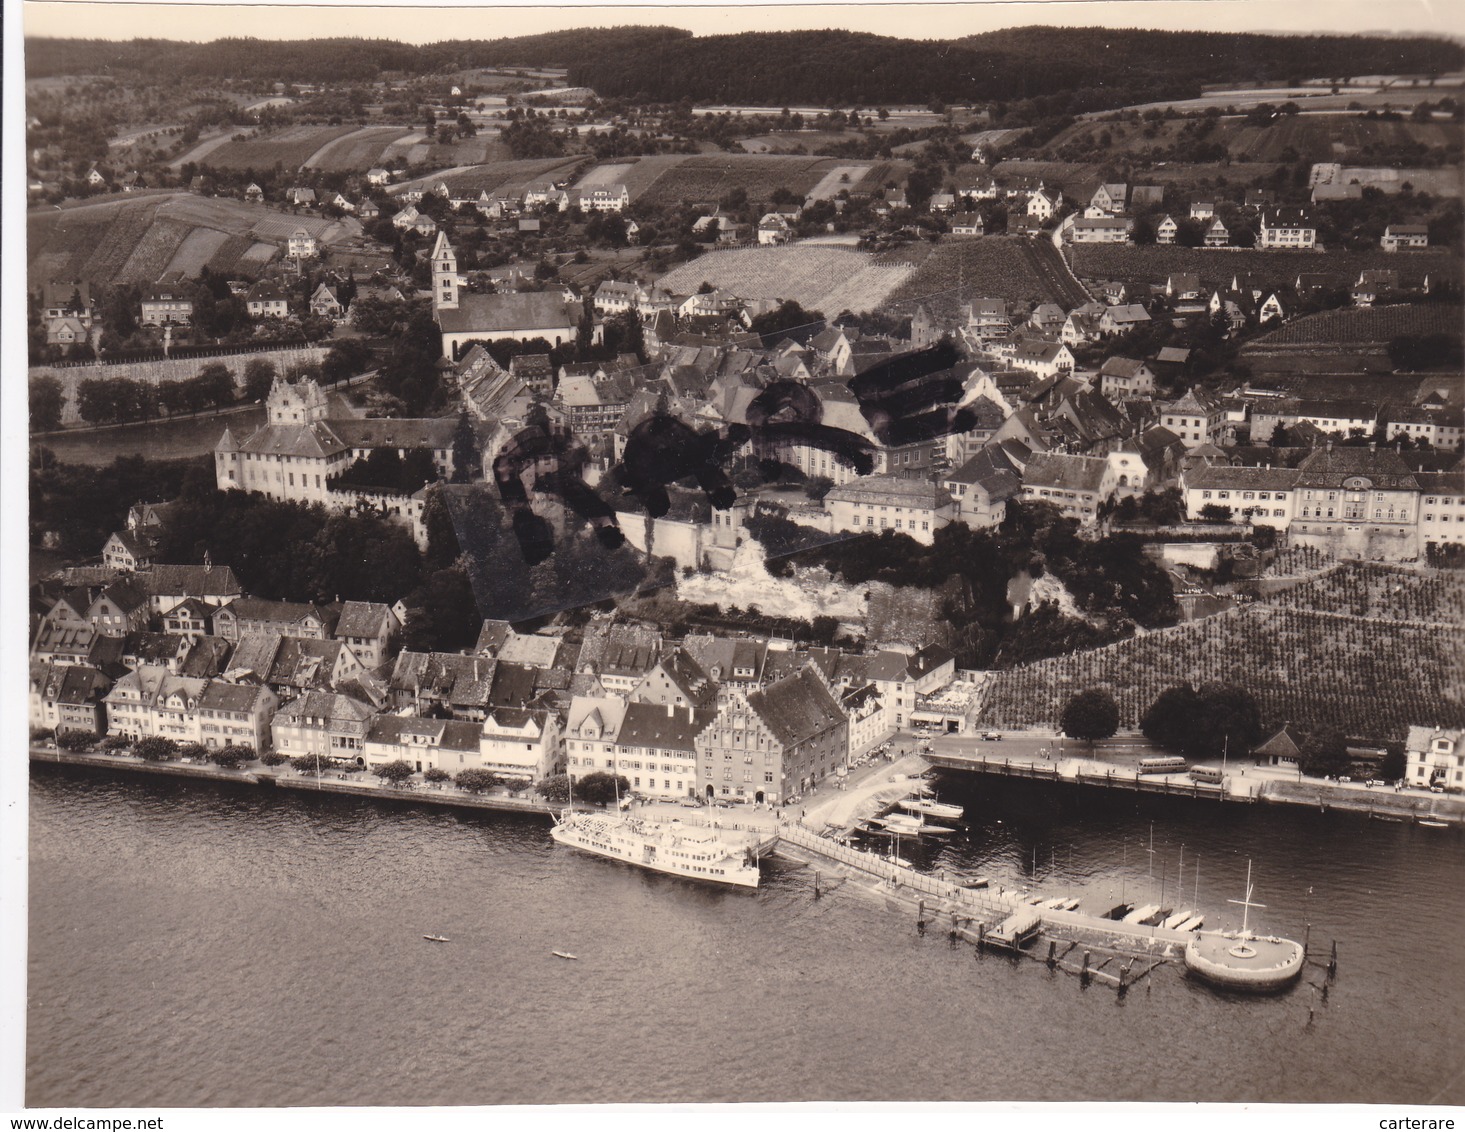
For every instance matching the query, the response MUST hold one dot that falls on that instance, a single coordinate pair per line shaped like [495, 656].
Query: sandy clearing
[831, 184]
[605, 175]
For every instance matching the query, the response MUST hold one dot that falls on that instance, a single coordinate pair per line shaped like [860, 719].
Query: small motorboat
[1433, 823]
[437, 939]
[980, 882]
[563, 955]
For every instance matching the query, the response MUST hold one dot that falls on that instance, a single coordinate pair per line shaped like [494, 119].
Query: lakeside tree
[1170, 721]
[1090, 714]
[600, 788]
[476, 780]
[155, 748]
[435, 774]
[77, 740]
[1211, 722]
[1325, 751]
[395, 772]
[555, 788]
[232, 756]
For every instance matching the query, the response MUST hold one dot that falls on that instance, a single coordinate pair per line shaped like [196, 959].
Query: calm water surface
[198, 944]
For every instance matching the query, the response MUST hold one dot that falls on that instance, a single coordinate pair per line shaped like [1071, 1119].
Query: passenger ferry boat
[693, 852]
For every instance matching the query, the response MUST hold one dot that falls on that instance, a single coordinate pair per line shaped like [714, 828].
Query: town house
[1076, 485]
[775, 744]
[327, 724]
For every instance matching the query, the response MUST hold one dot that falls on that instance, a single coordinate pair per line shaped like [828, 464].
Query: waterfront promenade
[839, 802]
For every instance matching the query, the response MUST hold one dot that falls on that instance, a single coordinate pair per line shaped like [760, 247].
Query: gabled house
[1166, 231]
[1183, 287]
[1398, 237]
[301, 245]
[327, 724]
[1110, 198]
[1196, 417]
[1123, 317]
[253, 193]
[370, 628]
[1126, 378]
[267, 300]
[324, 304]
[982, 487]
[128, 550]
[1216, 235]
[1076, 485]
[1287, 228]
[167, 303]
[1435, 756]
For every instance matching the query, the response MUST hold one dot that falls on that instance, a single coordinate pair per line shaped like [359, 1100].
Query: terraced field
[1367, 325]
[817, 277]
[1369, 677]
[134, 240]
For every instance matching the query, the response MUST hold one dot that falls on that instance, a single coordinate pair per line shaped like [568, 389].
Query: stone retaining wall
[168, 370]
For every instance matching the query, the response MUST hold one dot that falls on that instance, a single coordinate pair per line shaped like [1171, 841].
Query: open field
[840, 177]
[289, 148]
[790, 141]
[952, 273]
[880, 174]
[199, 153]
[601, 175]
[495, 175]
[817, 277]
[707, 177]
[1371, 678]
[1309, 137]
[196, 251]
[1217, 266]
[356, 152]
[137, 240]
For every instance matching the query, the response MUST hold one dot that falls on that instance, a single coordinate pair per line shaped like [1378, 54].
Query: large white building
[1435, 756]
[871, 504]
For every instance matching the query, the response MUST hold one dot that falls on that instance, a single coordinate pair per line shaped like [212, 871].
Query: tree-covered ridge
[1113, 66]
[329, 60]
[1109, 67]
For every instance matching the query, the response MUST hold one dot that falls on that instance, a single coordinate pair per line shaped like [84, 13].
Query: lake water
[198, 944]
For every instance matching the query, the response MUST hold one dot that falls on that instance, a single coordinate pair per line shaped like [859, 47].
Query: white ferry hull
[695, 854]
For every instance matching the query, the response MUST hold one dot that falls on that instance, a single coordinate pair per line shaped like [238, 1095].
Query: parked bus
[1206, 774]
[1173, 764]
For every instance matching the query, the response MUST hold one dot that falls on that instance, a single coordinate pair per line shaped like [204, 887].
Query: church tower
[444, 275]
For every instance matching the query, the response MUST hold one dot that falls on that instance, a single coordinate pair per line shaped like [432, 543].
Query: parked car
[995, 736]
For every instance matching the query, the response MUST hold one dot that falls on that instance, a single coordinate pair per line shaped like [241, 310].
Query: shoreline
[1381, 803]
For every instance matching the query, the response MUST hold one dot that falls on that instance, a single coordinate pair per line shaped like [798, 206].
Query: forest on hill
[1092, 68]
